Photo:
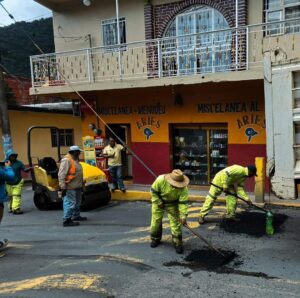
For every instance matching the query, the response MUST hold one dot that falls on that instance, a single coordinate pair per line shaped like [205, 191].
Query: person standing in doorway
[70, 178]
[113, 152]
[14, 188]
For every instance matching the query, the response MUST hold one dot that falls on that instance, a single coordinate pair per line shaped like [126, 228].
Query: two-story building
[181, 82]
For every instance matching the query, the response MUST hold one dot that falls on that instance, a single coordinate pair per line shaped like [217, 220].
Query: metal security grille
[282, 10]
[190, 52]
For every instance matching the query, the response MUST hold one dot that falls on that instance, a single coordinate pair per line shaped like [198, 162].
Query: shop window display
[199, 153]
[218, 151]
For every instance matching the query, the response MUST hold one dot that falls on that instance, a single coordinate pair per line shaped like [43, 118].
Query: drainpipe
[118, 25]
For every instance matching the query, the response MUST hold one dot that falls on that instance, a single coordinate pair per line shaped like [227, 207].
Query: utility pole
[6, 135]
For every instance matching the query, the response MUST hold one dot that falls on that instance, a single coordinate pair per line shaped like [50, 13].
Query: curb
[135, 195]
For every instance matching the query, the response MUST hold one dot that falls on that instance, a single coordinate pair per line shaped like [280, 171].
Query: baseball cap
[75, 148]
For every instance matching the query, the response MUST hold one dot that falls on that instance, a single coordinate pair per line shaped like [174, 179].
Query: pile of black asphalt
[253, 224]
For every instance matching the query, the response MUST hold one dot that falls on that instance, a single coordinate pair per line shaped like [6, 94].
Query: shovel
[269, 214]
[208, 243]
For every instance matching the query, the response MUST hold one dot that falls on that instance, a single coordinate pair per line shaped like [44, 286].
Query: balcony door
[192, 50]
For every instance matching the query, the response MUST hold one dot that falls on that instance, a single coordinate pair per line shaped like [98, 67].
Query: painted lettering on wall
[148, 124]
[231, 107]
[250, 120]
[248, 123]
[156, 109]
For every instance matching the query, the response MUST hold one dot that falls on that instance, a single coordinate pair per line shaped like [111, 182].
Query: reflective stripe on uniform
[213, 197]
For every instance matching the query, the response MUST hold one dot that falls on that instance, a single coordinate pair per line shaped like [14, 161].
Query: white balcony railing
[225, 50]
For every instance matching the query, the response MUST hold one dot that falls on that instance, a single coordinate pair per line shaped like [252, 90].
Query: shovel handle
[204, 240]
[238, 197]
[209, 244]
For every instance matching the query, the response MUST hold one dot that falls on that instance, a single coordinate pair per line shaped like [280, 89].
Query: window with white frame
[193, 50]
[282, 10]
[110, 33]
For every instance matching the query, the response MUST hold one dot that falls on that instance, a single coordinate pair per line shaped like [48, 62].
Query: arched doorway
[193, 43]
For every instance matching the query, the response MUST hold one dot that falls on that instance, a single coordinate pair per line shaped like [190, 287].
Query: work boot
[17, 211]
[3, 243]
[70, 223]
[80, 218]
[179, 249]
[201, 220]
[154, 243]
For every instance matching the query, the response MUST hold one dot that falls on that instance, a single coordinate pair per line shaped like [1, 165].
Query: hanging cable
[83, 99]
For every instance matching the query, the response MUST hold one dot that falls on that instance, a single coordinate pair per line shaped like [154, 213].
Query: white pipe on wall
[118, 21]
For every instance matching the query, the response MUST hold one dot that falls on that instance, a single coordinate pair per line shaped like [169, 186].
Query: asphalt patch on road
[253, 224]
[208, 260]
[205, 259]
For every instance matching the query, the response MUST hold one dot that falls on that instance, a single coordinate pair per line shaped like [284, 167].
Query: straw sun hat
[177, 179]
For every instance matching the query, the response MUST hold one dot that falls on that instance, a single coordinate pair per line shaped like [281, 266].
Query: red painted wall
[155, 155]
[244, 154]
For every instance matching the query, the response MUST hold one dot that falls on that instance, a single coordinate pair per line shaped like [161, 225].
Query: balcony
[229, 54]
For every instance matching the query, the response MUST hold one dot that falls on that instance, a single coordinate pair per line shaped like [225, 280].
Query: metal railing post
[159, 58]
[31, 70]
[89, 65]
[247, 48]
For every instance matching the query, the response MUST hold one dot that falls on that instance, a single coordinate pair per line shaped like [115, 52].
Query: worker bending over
[169, 192]
[229, 180]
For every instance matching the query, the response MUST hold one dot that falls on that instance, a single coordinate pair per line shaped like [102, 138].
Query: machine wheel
[41, 201]
[95, 200]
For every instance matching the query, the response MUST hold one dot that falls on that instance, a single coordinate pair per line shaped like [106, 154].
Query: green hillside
[15, 47]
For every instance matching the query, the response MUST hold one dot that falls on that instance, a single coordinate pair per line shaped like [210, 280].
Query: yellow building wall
[20, 121]
[201, 104]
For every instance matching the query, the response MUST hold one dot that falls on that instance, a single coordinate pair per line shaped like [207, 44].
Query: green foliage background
[15, 47]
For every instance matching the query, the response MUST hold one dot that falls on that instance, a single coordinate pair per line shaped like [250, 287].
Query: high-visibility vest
[72, 169]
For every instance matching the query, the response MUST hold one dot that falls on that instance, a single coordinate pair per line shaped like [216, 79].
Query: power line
[28, 36]
[86, 102]
[38, 17]
[28, 20]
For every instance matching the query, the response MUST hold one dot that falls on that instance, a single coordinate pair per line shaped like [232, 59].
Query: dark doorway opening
[124, 133]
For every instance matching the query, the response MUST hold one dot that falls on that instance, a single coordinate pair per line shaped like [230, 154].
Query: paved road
[109, 256]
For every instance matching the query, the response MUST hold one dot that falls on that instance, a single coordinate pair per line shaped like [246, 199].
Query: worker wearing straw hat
[169, 192]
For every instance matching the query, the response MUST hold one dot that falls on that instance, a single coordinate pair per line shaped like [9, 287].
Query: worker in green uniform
[14, 188]
[230, 180]
[169, 192]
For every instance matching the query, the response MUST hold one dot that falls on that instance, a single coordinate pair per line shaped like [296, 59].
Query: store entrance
[200, 151]
[123, 132]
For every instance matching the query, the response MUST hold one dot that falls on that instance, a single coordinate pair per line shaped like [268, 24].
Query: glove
[225, 189]
[183, 221]
[63, 192]
[161, 206]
